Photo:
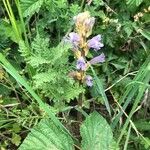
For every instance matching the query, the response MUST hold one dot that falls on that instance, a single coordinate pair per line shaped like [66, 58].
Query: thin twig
[131, 122]
[131, 73]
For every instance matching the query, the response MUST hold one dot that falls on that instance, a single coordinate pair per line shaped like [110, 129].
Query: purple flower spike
[98, 59]
[81, 64]
[89, 81]
[95, 43]
[74, 39]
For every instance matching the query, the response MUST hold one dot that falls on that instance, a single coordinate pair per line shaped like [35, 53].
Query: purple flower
[74, 39]
[81, 64]
[89, 81]
[95, 43]
[100, 58]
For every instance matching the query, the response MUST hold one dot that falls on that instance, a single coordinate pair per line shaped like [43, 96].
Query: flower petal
[81, 64]
[73, 39]
[98, 59]
[95, 43]
[89, 80]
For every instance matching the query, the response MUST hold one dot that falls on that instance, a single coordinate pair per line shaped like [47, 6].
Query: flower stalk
[81, 46]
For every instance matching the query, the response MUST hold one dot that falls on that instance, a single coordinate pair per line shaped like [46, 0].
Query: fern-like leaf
[40, 45]
[46, 136]
[23, 49]
[52, 68]
[72, 92]
[96, 134]
[42, 78]
[36, 61]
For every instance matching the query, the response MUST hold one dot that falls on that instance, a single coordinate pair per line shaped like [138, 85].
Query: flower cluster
[81, 46]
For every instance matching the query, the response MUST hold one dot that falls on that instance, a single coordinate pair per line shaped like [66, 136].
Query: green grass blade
[12, 20]
[138, 98]
[101, 90]
[127, 138]
[131, 91]
[22, 22]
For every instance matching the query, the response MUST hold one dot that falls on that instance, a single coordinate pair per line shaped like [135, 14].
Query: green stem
[82, 4]
[22, 22]
[12, 20]
[79, 114]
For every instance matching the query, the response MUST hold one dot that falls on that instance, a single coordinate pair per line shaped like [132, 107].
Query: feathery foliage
[52, 68]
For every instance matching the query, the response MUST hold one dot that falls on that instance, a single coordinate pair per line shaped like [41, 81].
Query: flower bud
[81, 64]
[89, 81]
[84, 23]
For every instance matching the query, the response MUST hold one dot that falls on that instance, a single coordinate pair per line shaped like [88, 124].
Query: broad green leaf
[29, 7]
[146, 34]
[128, 28]
[47, 136]
[134, 2]
[96, 134]
[138, 2]
[118, 65]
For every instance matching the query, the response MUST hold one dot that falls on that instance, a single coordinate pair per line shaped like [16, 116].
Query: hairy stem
[80, 100]
[79, 114]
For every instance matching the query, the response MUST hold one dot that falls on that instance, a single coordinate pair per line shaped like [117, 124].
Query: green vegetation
[74, 74]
